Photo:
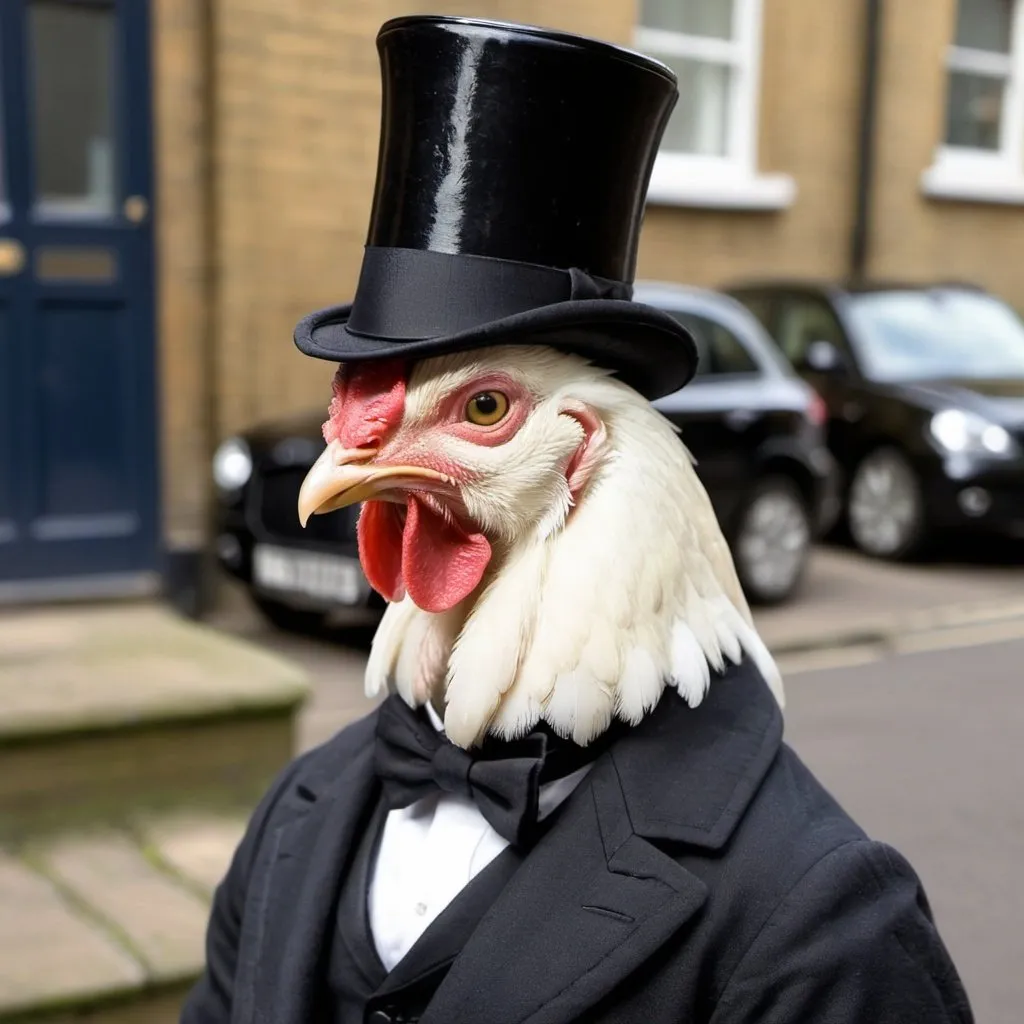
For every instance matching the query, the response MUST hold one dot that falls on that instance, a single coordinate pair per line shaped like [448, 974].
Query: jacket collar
[688, 774]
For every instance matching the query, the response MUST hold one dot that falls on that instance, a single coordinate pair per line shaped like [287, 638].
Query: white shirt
[428, 853]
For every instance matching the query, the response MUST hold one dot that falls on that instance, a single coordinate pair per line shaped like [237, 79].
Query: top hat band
[410, 294]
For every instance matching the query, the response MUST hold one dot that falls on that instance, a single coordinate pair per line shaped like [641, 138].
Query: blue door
[78, 462]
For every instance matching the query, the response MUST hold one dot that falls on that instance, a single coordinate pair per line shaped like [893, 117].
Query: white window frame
[962, 172]
[730, 180]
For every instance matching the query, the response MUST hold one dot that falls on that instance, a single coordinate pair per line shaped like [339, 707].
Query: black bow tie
[503, 779]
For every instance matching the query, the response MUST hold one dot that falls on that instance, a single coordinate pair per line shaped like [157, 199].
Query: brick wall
[182, 265]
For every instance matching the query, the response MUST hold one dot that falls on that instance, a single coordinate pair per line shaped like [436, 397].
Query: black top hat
[512, 173]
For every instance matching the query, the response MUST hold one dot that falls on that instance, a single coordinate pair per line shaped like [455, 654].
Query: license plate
[330, 578]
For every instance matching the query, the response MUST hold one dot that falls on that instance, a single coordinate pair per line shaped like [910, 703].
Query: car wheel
[885, 512]
[288, 619]
[773, 541]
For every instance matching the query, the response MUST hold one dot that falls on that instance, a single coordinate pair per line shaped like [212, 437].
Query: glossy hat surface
[516, 142]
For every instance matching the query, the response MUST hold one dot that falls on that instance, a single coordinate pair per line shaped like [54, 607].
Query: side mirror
[823, 357]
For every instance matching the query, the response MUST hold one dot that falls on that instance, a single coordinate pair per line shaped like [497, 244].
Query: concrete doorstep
[111, 708]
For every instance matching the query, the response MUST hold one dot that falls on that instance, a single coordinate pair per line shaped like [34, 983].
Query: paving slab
[160, 921]
[49, 952]
[198, 847]
[162, 1006]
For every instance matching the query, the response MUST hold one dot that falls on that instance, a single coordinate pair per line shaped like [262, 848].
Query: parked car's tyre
[772, 542]
[885, 510]
[288, 619]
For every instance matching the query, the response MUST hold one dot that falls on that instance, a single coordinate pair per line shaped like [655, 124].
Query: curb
[888, 634]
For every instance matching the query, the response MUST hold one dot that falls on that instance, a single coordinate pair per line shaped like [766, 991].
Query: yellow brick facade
[267, 119]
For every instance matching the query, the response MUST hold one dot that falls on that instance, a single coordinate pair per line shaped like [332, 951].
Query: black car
[925, 392]
[754, 427]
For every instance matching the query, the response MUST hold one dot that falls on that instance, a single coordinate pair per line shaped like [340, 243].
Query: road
[926, 751]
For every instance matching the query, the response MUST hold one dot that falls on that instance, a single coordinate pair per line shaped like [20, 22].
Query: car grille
[276, 497]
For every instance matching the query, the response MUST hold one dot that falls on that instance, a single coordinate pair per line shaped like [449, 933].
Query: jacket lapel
[289, 913]
[598, 896]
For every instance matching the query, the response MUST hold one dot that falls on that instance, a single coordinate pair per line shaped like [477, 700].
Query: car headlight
[232, 464]
[966, 433]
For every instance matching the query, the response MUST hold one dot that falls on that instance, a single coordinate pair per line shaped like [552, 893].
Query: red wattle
[380, 547]
[434, 561]
[441, 564]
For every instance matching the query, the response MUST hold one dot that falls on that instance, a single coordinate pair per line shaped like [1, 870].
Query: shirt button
[421, 909]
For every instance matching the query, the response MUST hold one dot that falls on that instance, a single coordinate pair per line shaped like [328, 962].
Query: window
[982, 151]
[719, 351]
[708, 154]
[72, 48]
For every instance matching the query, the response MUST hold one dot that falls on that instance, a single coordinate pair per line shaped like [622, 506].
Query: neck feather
[635, 591]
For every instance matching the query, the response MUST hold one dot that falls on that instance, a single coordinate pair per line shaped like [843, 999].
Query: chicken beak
[344, 476]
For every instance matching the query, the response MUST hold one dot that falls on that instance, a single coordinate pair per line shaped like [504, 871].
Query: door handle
[136, 209]
[12, 257]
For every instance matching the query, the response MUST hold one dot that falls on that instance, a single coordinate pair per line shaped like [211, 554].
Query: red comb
[369, 400]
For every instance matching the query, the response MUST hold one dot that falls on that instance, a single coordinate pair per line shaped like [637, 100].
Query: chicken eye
[486, 408]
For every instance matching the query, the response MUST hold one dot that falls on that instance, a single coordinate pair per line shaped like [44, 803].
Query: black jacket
[699, 873]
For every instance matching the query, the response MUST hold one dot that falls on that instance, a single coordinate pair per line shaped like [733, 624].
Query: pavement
[95, 916]
[903, 695]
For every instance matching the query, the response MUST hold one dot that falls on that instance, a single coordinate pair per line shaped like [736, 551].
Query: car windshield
[936, 335]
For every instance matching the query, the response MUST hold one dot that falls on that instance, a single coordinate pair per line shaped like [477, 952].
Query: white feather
[691, 673]
[422, 667]
[411, 650]
[641, 687]
[485, 659]
[387, 643]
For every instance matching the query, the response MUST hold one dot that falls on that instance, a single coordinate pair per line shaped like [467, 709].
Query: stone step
[108, 925]
[107, 711]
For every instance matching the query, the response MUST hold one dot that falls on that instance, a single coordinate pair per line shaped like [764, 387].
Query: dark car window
[760, 305]
[719, 350]
[801, 321]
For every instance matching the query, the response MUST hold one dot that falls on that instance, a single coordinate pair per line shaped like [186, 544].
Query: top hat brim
[646, 348]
